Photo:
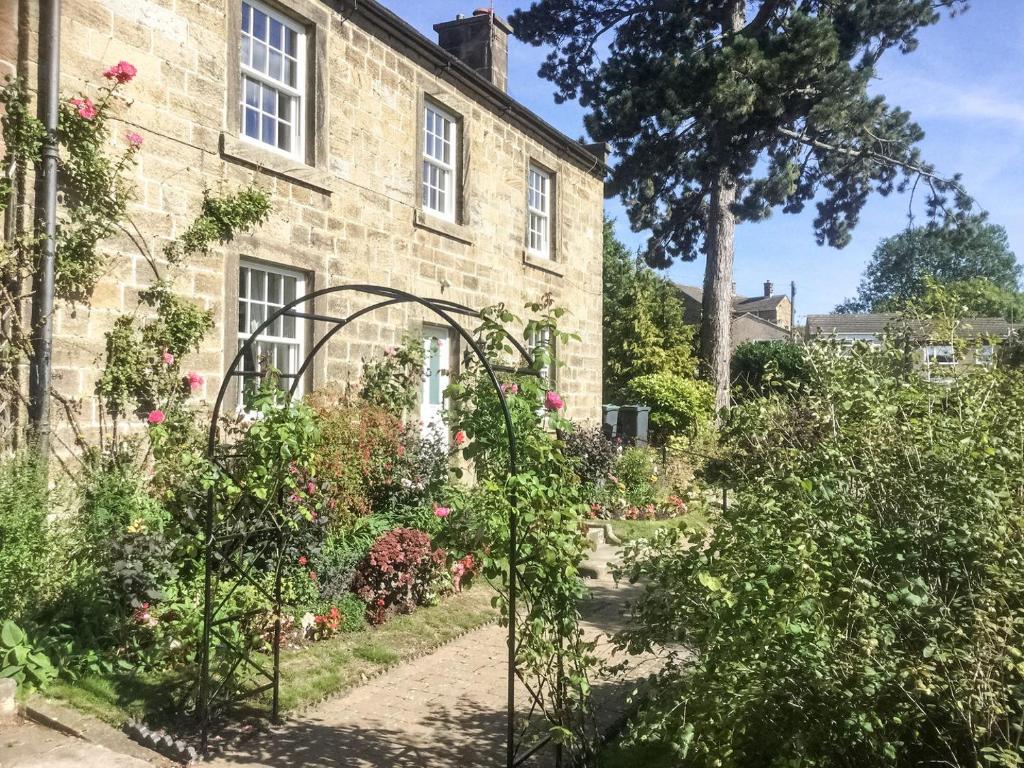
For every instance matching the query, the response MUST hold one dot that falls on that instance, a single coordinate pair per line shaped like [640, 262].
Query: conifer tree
[719, 111]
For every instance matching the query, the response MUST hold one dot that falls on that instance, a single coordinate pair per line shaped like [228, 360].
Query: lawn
[629, 530]
[308, 675]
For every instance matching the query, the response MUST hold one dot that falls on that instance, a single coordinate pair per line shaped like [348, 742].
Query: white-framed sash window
[440, 162]
[538, 206]
[262, 290]
[273, 70]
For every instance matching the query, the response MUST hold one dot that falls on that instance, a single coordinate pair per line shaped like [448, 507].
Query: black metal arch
[226, 551]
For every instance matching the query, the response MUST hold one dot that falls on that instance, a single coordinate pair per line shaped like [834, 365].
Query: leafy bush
[392, 382]
[399, 572]
[760, 366]
[21, 660]
[591, 453]
[679, 405]
[859, 602]
[637, 475]
[25, 549]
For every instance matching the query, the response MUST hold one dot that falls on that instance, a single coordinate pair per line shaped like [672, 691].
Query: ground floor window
[280, 347]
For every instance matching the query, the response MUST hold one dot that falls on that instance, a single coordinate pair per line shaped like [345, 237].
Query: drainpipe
[40, 369]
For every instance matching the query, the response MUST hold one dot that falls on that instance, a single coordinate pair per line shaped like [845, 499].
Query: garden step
[25, 744]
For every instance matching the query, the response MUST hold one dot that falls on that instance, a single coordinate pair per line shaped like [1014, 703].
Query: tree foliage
[975, 257]
[644, 330]
[858, 602]
[722, 111]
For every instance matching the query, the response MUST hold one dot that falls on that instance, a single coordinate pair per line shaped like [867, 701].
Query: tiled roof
[739, 303]
[840, 325]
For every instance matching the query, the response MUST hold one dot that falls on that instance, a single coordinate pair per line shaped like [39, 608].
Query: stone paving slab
[28, 745]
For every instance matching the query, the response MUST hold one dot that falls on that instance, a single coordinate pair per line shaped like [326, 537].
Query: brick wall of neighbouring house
[351, 219]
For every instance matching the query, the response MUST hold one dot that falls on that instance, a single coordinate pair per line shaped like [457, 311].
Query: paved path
[27, 745]
[446, 709]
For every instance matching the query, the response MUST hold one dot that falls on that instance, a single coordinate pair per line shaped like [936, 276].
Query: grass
[629, 530]
[309, 674]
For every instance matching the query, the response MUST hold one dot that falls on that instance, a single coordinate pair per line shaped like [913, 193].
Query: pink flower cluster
[156, 417]
[460, 438]
[442, 512]
[195, 381]
[461, 568]
[553, 401]
[85, 108]
[510, 388]
[122, 72]
[134, 139]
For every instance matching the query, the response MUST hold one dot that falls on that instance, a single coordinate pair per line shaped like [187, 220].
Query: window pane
[252, 93]
[435, 372]
[257, 285]
[290, 42]
[276, 66]
[246, 13]
[259, 24]
[275, 34]
[257, 314]
[243, 282]
[252, 123]
[241, 316]
[259, 56]
[269, 100]
[269, 130]
[246, 51]
[288, 329]
[290, 70]
[274, 288]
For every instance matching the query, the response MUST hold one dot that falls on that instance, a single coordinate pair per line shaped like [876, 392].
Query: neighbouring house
[972, 342]
[391, 160]
[760, 318]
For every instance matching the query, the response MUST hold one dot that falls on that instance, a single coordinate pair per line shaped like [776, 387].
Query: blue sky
[962, 85]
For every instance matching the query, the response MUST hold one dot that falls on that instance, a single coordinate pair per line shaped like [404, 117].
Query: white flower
[308, 620]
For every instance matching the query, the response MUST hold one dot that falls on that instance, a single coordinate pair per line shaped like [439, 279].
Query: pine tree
[719, 111]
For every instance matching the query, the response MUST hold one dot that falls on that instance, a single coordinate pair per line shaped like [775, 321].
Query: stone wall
[350, 215]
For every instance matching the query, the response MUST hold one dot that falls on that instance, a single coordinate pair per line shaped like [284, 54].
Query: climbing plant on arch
[533, 565]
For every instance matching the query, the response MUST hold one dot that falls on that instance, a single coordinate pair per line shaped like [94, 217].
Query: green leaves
[21, 661]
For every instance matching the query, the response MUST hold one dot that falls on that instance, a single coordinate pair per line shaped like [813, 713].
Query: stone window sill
[462, 234]
[233, 148]
[545, 265]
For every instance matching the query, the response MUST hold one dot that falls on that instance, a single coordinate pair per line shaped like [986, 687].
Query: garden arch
[230, 554]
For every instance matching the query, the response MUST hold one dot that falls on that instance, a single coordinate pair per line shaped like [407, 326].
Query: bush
[859, 602]
[636, 473]
[758, 367]
[26, 561]
[400, 572]
[591, 453]
[679, 405]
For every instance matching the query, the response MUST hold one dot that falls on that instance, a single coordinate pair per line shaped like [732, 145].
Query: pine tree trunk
[719, 240]
[716, 321]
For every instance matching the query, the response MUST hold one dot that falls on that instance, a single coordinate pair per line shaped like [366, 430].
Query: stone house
[760, 318]
[972, 342]
[390, 160]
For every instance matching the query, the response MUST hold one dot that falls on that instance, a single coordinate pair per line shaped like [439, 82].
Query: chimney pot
[769, 289]
[479, 41]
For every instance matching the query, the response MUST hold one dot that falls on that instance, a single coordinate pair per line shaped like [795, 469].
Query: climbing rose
[553, 401]
[168, 358]
[156, 417]
[123, 72]
[460, 437]
[195, 381]
[134, 139]
[303, 560]
[442, 511]
[85, 108]
[310, 487]
[510, 389]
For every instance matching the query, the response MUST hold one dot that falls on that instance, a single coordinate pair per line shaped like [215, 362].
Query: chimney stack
[768, 289]
[480, 41]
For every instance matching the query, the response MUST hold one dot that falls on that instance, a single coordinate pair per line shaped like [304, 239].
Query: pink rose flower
[460, 437]
[156, 417]
[168, 358]
[134, 139]
[310, 487]
[122, 72]
[85, 108]
[510, 389]
[442, 511]
[195, 381]
[553, 401]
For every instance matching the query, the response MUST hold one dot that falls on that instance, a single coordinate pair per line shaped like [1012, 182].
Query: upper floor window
[280, 347]
[440, 161]
[538, 205]
[939, 354]
[273, 64]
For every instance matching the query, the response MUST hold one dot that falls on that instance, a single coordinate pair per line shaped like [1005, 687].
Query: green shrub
[21, 660]
[859, 601]
[635, 470]
[26, 559]
[761, 366]
[679, 405]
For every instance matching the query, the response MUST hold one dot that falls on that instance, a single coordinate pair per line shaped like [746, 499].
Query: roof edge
[396, 31]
